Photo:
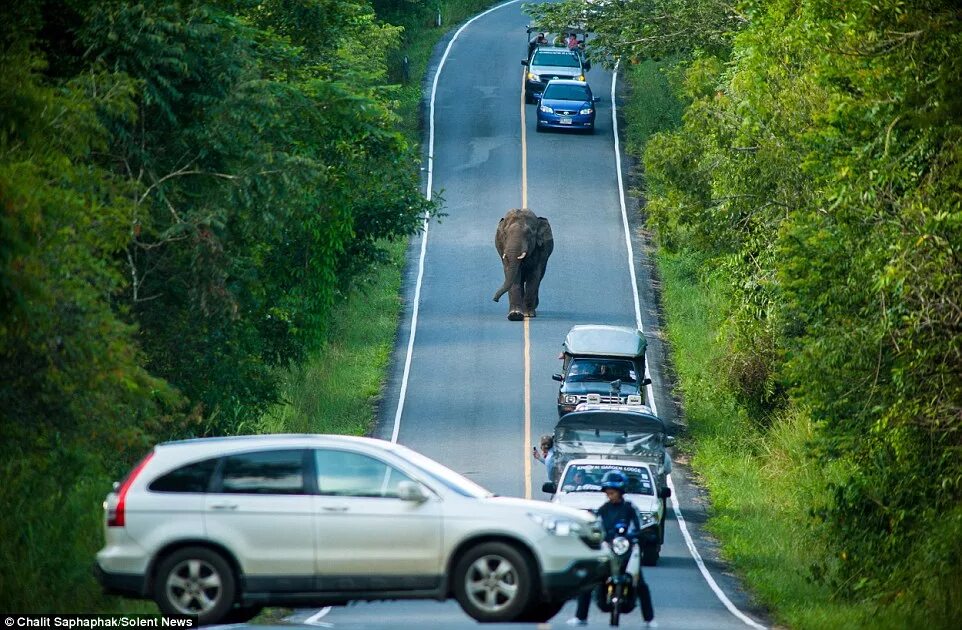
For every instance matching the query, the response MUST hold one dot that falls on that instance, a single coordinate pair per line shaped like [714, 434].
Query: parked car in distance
[221, 527]
[567, 105]
[548, 63]
[602, 364]
[580, 487]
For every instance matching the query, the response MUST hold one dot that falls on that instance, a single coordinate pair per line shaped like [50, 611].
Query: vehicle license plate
[565, 121]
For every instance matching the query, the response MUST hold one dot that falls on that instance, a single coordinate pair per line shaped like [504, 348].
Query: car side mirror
[557, 377]
[664, 493]
[537, 96]
[669, 440]
[645, 381]
[549, 487]
[596, 99]
[524, 62]
[411, 491]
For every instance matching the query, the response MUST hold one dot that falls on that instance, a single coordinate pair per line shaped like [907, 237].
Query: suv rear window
[190, 478]
[558, 59]
[264, 472]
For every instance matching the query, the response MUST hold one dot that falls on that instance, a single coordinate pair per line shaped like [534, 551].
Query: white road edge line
[424, 232]
[676, 508]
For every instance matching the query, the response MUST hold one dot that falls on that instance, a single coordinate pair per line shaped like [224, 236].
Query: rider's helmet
[614, 479]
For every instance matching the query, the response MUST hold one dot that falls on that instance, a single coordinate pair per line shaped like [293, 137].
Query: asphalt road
[465, 397]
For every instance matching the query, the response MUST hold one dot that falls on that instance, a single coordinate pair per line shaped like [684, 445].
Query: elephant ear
[544, 232]
[499, 237]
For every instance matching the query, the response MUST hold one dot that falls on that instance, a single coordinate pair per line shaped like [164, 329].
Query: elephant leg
[531, 288]
[515, 302]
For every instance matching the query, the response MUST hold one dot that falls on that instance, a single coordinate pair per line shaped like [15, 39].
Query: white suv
[221, 527]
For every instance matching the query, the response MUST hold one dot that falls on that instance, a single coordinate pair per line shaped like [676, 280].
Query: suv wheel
[195, 581]
[492, 582]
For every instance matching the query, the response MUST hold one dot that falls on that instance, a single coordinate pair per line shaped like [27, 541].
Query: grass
[762, 482]
[336, 389]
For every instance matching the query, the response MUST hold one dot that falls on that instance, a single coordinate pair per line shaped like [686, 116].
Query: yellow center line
[526, 453]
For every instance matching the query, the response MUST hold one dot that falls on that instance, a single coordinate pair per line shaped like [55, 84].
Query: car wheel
[492, 582]
[650, 553]
[195, 581]
[541, 612]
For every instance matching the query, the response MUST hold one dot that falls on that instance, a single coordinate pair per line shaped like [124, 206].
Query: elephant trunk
[512, 262]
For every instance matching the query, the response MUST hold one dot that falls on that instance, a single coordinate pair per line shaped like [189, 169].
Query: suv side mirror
[556, 377]
[645, 381]
[669, 440]
[664, 493]
[549, 487]
[524, 62]
[411, 491]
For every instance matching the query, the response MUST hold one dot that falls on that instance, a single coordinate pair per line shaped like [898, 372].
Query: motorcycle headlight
[546, 109]
[586, 110]
[558, 526]
[533, 77]
[620, 545]
[570, 399]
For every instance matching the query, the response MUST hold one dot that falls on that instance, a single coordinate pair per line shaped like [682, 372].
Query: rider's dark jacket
[613, 513]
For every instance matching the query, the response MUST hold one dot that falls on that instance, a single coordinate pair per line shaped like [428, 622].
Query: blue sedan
[566, 105]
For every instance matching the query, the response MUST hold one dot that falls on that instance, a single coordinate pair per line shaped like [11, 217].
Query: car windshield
[567, 93]
[606, 370]
[443, 475]
[587, 478]
[559, 59]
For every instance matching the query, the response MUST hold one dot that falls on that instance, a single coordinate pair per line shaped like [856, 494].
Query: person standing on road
[617, 510]
[546, 456]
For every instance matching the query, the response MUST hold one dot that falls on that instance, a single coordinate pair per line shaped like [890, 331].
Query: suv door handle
[224, 506]
[335, 508]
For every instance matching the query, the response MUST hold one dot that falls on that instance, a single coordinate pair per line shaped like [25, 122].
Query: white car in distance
[220, 527]
[580, 487]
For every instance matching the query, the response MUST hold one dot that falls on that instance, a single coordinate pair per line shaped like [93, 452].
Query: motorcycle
[617, 595]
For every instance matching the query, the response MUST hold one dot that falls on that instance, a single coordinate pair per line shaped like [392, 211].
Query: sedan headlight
[646, 519]
[533, 77]
[545, 109]
[586, 110]
[558, 526]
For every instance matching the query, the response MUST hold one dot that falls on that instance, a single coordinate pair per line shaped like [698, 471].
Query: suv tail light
[116, 517]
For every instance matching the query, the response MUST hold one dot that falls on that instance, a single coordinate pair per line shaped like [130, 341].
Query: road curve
[465, 392]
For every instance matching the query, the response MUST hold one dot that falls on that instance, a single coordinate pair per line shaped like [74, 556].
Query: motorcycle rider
[617, 510]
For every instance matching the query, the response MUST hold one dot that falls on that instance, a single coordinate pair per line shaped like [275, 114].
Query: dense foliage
[818, 165]
[187, 188]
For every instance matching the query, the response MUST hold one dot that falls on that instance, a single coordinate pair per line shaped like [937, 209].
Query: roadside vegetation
[801, 167]
[205, 207]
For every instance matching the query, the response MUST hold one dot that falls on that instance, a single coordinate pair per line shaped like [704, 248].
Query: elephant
[524, 243]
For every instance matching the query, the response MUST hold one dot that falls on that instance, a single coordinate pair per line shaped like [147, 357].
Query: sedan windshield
[587, 478]
[558, 59]
[567, 93]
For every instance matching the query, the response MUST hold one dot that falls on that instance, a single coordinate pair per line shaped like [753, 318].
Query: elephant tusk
[523, 254]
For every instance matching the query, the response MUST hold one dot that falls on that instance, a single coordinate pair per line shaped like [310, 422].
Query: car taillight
[115, 518]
